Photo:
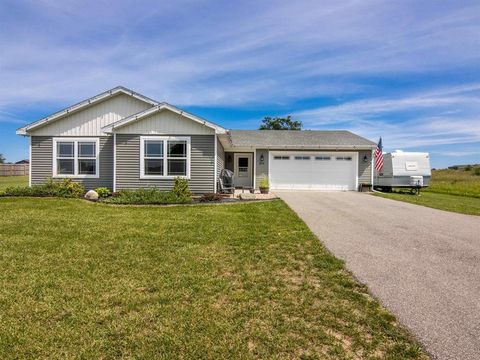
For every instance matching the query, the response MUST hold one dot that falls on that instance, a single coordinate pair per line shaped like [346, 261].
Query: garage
[313, 170]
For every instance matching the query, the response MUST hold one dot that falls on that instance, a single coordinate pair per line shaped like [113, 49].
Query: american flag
[379, 156]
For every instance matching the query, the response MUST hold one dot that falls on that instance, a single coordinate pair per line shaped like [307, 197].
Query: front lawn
[7, 181]
[86, 280]
[455, 203]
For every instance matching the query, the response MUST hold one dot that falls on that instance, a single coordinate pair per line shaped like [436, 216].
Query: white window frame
[165, 140]
[75, 141]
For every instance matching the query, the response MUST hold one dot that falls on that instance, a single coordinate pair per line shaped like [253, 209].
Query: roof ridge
[79, 105]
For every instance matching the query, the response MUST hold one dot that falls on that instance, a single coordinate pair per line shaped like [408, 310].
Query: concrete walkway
[423, 264]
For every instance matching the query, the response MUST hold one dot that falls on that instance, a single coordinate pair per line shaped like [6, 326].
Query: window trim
[165, 140]
[76, 158]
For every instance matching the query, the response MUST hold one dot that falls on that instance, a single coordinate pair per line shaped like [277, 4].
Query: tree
[2, 159]
[278, 123]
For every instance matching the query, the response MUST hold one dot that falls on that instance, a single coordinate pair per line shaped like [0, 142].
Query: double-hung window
[75, 157]
[164, 157]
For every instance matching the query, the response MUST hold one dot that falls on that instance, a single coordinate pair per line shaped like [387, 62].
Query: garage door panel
[313, 171]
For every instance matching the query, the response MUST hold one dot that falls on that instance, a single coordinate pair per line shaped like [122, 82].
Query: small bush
[147, 197]
[476, 171]
[264, 184]
[181, 187]
[65, 188]
[103, 192]
[69, 188]
[468, 168]
[208, 197]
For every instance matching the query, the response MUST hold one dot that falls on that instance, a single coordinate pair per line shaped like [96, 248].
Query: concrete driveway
[423, 264]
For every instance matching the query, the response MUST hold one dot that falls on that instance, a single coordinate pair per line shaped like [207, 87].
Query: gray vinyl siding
[42, 162]
[202, 164]
[364, 168]
[220, 157]
[261, 168]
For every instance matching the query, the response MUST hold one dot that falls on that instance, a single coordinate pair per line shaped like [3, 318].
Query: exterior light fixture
[261, 159]
[365, 158]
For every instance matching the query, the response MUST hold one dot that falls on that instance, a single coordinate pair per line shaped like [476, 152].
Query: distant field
[450, 190]
[6, 181]
[455, 182]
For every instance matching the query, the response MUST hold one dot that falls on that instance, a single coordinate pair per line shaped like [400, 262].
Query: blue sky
[408, 71]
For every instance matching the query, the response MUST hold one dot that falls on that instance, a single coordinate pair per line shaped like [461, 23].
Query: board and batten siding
[365, 168]
[165, 122]
[89, 121]
[202, 164]
[42, 162]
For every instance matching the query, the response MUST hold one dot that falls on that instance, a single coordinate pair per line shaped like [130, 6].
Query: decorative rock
[246, 196]
[91, 195]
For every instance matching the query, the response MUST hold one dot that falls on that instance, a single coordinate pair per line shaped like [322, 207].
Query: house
[123, 140]
[22, 162]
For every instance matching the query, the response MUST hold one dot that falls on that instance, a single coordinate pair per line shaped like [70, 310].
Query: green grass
[249, 281]
[455, 203]
[455, 182]
[450, 190]
[6, 181]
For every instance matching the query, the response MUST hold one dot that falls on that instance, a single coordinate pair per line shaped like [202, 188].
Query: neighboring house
[22, 162]
[123, 140]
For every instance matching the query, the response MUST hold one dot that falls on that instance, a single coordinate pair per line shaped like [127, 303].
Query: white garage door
[313, 170]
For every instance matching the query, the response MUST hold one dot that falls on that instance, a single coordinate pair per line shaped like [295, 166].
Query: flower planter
[264, 190]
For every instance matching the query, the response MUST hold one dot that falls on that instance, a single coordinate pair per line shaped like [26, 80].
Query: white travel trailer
[404, 169]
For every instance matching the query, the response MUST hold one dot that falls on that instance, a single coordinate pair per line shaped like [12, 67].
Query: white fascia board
[93, 100]
[123, 122]
[298, 148]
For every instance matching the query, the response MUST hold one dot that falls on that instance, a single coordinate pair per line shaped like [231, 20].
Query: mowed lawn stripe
[84, 280]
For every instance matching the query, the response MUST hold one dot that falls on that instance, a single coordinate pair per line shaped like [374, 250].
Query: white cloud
[192, 53]
[458, 153]
[436, 117]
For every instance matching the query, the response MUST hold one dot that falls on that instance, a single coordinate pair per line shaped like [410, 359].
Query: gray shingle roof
[297, 139]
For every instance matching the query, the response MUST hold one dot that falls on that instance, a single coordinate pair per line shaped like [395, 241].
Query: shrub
[264, 184]
[147, 196]
[103, 192]
[468, 168]
[207, 197]
[69, 188]
[65, 188]
[181, 187]
[476, 171]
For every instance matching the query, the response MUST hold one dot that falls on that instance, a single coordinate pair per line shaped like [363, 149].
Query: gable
[165, 122]
[89, 120]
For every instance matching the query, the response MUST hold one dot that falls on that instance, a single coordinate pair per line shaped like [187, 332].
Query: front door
[243, 170]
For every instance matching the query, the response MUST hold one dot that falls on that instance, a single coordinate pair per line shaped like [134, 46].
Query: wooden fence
[13, 169]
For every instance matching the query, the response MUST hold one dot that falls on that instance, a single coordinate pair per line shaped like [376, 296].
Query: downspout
[372, 165]
[373, 169]
[114, 162]
[30, 163]
[215, 165]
